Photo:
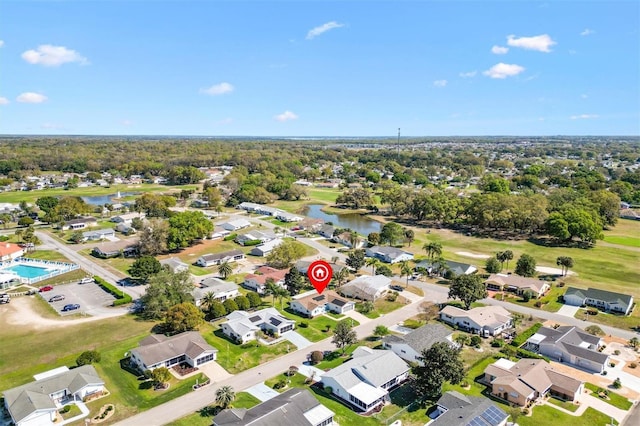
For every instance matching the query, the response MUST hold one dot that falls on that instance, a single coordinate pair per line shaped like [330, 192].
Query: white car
[87, 280]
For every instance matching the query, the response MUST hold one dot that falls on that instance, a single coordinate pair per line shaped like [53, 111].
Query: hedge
[252, 243]
[524, 336]
[122, 298]
[230, 237]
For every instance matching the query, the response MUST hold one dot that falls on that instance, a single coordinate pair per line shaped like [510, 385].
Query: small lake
[361, 224]
[99, 200]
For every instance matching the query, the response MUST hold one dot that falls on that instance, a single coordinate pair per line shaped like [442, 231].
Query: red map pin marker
[320, 273]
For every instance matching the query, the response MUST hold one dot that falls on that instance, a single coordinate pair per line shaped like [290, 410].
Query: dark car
[46, 288]
[70, 307]
[57, 298]
[396, 287]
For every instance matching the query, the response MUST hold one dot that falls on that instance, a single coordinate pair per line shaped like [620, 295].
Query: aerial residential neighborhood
[303, 213]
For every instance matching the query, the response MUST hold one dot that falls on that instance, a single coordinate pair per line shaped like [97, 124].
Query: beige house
[517, 284]
[485, 320]
[525, 381]
[316, 304]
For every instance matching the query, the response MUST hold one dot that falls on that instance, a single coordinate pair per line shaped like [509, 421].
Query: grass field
[623, 241]
[546, 415]
[615, 399]
[53, 255]
[567, 405]
[204, 418]
[316, 329]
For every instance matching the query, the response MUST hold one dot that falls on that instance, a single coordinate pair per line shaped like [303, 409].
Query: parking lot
[90, 297]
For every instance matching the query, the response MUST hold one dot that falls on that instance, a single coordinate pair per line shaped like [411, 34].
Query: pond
[99, 200]
[359, 223]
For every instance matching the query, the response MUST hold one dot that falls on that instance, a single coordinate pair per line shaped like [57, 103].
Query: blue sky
[311, 68]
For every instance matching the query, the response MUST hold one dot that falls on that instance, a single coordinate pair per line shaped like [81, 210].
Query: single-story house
[316, 304]
[79, 223]
[410, 346]
[364, 381]
[175, 265]
[484, 320]
[127, 218]
[310, 224]
[570, 345]
[257, 208]
[98, 234]
[266, 248]
[366, 287]
[258, 280]
[517, 284]
[457, 268]
[219, 258]
[345, 239]
[326, 231]
[222, 290]
[241, 326]
[303, 266]
[601, 299]
[125, 229]
[37, 403]
[9, 280]
[127, 248]
[388, 254]
[262, 236]
[10, 251]
[287, 217]
[219, 232]
[293, 407]
[528, 379]
[456, 409]
[158, 350]
[234, 225]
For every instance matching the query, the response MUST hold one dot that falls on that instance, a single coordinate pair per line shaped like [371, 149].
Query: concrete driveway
[297, 339]
[262, 392]
[568, 311]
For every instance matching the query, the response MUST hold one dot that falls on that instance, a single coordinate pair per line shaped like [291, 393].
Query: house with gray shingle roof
[601, 299]
[570, 345]
[410, 346]
[457, 268]
[159, 350]
[222, 290]
[294, 407]
[389, 254]
[219, 258]
[174, 264]
[483, 320]
[366, 287]
[456, 409]
[517, 284]
[37, 403]
[364, 381]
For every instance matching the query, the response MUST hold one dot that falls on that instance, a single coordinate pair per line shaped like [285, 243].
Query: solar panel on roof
[477, 421]
[318, 298]
[275, 321]
[255, 318]
[493, 415]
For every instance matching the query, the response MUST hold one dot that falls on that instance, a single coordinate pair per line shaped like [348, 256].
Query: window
[206, 358]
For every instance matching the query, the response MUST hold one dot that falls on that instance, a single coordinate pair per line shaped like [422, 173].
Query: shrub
[303, 324]
[122, 298]
[633, 365]
[497, 343]
[616, 352]
[280, 384]
[88, 357]
[524, 336]
[328, 389]
[476, 340]
[538, 304]
[617, 384]
[65, 409]
[252, 243]
[316, 357]
[230, 237]
[525, 411]
[391, 297]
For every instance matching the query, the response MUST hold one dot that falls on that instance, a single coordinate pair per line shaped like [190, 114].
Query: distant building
[235, 225]
[266, 248]
[126, 248]
[262, 236]
[258, 281]
[127, 218]
[99, 234]
[457, 268]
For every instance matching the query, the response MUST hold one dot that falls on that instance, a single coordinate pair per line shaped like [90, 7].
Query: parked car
[87, 280]
[46, 288]
[4, 298]
[396, 287]
[70, 307]
[56, 298]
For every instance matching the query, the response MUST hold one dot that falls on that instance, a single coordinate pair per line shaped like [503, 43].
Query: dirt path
[20, 312]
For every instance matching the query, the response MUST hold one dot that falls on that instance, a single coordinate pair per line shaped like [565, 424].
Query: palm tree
[433, 249]
[334, 259]
[405, 270]
[565, 262]
[373, 262]
[280, 293]
[409, 235]
[508, 255]
[354, 239]
[271, 288]
[207, 301]
[225, 396]
[225, 269]
[341, 275]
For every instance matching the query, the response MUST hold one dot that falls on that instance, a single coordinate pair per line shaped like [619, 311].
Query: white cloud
[499, 50]
[584, 96]
[503, 70]
[31, 98]
[440, 83]
[218, 89]
[587, 32]
[3, 100]
[468, 74]
[541, 43]
[315, 32]
[286, 116]
[53, 56]
[584, 117]
[1, 43]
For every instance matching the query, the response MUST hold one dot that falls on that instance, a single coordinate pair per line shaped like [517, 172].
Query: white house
[222, 290]
[159, 350]
[37, 403]
[410, 346]
[258, 281]
[484, 320]
[98, 234]
[10, 251]
[601, 299]
[127, 218]
[288, 217]
[364, 381]
[266, 248]
[242, 326]
[219, 258]
[366, 287]
[316, 304]
[79, 223]
[234, 225]
[262, 236]
[175, 265]
[389, 254]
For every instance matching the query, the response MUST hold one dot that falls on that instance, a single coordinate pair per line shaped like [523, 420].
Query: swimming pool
[28, 271]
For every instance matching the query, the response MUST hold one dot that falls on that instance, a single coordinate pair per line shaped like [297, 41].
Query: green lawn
[615, 399]
[567, 405]
[74, 410]
[382, 306]
[623, 241]
[550, 302]
[204, 417]
[625, 322]
[72, 276]
[545, 415]
[236, 358]
[54, 255]
[316, 329]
